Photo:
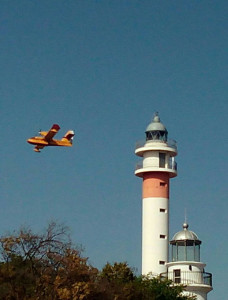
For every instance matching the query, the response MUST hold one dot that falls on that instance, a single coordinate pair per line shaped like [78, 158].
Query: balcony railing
[170, 143]
[189, 277]
[171, 165]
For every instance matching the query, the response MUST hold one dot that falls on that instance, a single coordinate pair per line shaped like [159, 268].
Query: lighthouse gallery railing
[189, 277]
[170, 143]
[171, 165]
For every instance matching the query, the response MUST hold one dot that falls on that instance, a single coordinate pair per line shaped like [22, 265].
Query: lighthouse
[156, 167]
[185, 266]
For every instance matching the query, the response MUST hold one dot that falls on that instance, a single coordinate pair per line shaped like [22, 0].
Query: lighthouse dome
[185, 234]
[156, 124]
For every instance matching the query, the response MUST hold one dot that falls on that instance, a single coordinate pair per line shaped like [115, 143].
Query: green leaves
[123, 284]
[118, 272]
[48, 267]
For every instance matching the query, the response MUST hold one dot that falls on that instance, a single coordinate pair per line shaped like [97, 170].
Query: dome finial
[156, 117]
[185, 226]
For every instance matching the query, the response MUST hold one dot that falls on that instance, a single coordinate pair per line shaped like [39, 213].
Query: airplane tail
[68, 136]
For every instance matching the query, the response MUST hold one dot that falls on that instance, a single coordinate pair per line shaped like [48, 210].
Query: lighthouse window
[177, 275]
[190, 249]
[148, 135]
[197, 252]
[162, 210]
[162, 160]
[174, 253]
[161, 262]
[156, 135]
[181, 251]
[162, 236]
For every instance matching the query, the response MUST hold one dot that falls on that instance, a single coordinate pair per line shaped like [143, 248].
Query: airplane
[46, 139]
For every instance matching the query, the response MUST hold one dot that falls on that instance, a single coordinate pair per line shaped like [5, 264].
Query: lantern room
[156, 131]
[185, 246]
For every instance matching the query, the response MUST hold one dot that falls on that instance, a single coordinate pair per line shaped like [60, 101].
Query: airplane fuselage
[36, 140]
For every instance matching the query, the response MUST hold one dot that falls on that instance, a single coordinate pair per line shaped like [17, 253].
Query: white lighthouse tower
[156, 168]
[185, 266]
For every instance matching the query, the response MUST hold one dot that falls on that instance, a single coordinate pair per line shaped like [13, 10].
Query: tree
[43, 267]
[123, 284]
[118, 279]
[47, 267]
[118, 272]
[159, 289]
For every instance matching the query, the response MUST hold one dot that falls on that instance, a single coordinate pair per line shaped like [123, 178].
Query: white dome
[156, 125]
[185, 234]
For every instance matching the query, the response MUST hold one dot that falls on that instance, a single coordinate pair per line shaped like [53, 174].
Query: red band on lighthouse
[155, 184]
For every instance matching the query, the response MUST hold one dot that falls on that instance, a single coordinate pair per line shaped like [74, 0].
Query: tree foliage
[48, 267]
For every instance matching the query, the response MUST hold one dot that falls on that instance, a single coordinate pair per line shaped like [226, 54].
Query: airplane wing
[52, 132]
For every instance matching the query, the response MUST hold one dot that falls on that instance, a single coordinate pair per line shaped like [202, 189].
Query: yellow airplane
[46, 139]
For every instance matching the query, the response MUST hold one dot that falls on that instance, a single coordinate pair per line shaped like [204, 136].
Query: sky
[103, 68]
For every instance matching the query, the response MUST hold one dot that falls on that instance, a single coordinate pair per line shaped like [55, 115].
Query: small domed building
[185, 266]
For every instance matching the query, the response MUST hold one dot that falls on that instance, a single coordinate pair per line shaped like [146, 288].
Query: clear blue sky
[103, 68]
